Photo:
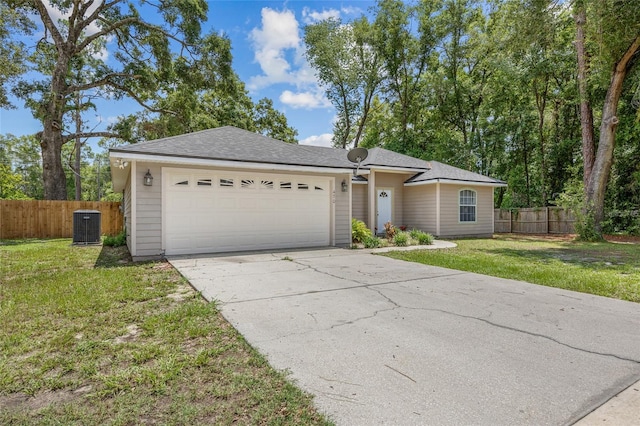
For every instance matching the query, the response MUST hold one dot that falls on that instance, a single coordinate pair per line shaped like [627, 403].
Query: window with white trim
[467, 202]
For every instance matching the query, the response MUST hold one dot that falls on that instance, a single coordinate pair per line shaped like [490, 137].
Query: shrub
[389, 230]
[425, 239]
[371, 242]
[359, 231]
[115, 240]
[401, 239]
[414, 233]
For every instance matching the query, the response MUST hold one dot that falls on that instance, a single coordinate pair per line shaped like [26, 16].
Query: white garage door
[209, 212]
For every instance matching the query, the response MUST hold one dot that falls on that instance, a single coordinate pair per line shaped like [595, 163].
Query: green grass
[606, 269]
[88, 337]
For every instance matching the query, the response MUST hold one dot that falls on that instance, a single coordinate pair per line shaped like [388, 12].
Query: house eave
[457, 182]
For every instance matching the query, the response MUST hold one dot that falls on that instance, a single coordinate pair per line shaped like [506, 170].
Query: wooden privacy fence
[53, 219]
[541, 220]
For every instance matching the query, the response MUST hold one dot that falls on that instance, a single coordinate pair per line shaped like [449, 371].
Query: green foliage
[401, 239]
[425, 239]
[573, 199]
[372, 242]
[359, 231]
[10, 185]
[115, 240]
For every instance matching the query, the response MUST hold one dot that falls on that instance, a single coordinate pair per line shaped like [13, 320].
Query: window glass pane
[467, 206]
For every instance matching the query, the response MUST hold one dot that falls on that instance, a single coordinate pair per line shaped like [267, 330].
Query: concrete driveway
[382, 341]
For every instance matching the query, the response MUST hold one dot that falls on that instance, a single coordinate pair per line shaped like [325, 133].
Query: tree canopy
[497, 88]
[158, 56]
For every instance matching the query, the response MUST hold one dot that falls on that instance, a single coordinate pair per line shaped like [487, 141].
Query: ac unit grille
[86, 227]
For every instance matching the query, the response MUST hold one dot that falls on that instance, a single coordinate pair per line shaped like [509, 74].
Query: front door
[384, 209]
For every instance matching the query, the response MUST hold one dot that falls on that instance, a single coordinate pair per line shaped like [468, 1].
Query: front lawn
[88, 337]
[606, 269]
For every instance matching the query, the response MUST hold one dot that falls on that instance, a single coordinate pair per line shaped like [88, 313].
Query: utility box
[86, 227]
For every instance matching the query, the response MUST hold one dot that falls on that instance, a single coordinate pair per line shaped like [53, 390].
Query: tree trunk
[78, 151]
[586, 112]
[54, 179]
[597, 185]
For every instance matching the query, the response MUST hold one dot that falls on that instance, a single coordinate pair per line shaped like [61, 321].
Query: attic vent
[86, 227]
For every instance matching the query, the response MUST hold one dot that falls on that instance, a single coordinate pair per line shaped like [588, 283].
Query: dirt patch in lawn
[623, 239]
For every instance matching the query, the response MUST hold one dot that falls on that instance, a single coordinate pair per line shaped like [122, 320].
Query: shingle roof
[234, 144]
[444, 171]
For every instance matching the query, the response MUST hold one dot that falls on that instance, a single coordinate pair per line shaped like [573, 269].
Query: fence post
[510, 221]
[546, 231]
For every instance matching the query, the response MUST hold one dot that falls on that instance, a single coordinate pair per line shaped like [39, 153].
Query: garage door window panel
[225, 183]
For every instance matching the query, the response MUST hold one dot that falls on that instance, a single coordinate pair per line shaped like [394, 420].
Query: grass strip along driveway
[605, 269]
[88, 337]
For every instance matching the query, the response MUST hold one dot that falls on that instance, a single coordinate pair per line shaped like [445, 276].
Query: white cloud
[278, 35]
[312, 16]
[306, 100]
[319, 140]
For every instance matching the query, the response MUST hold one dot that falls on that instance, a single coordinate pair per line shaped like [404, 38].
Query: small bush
[371, 242]
[115, 240]
[359, 231]
[401, 239]
[425, 239]
[414, 233]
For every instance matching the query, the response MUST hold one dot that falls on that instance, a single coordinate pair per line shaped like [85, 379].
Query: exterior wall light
[345, 186]
[148, 179]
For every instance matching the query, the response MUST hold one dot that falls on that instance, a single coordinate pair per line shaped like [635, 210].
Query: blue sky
[268, 55]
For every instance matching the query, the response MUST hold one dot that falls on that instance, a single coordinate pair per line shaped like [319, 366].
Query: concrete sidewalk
[382, 341]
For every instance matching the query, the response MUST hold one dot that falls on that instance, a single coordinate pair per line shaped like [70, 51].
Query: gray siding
[359, 200]
[450, 224]
[420, 208]
[148, 212]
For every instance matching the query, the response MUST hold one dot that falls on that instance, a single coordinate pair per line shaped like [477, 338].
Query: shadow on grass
[113, 257]
[593, 260]
[21, 241]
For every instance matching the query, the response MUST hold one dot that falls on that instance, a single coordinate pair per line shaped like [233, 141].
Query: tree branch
[67, 138]
[98, 83]
[48, 22]
[105, 31]
[138, 100]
